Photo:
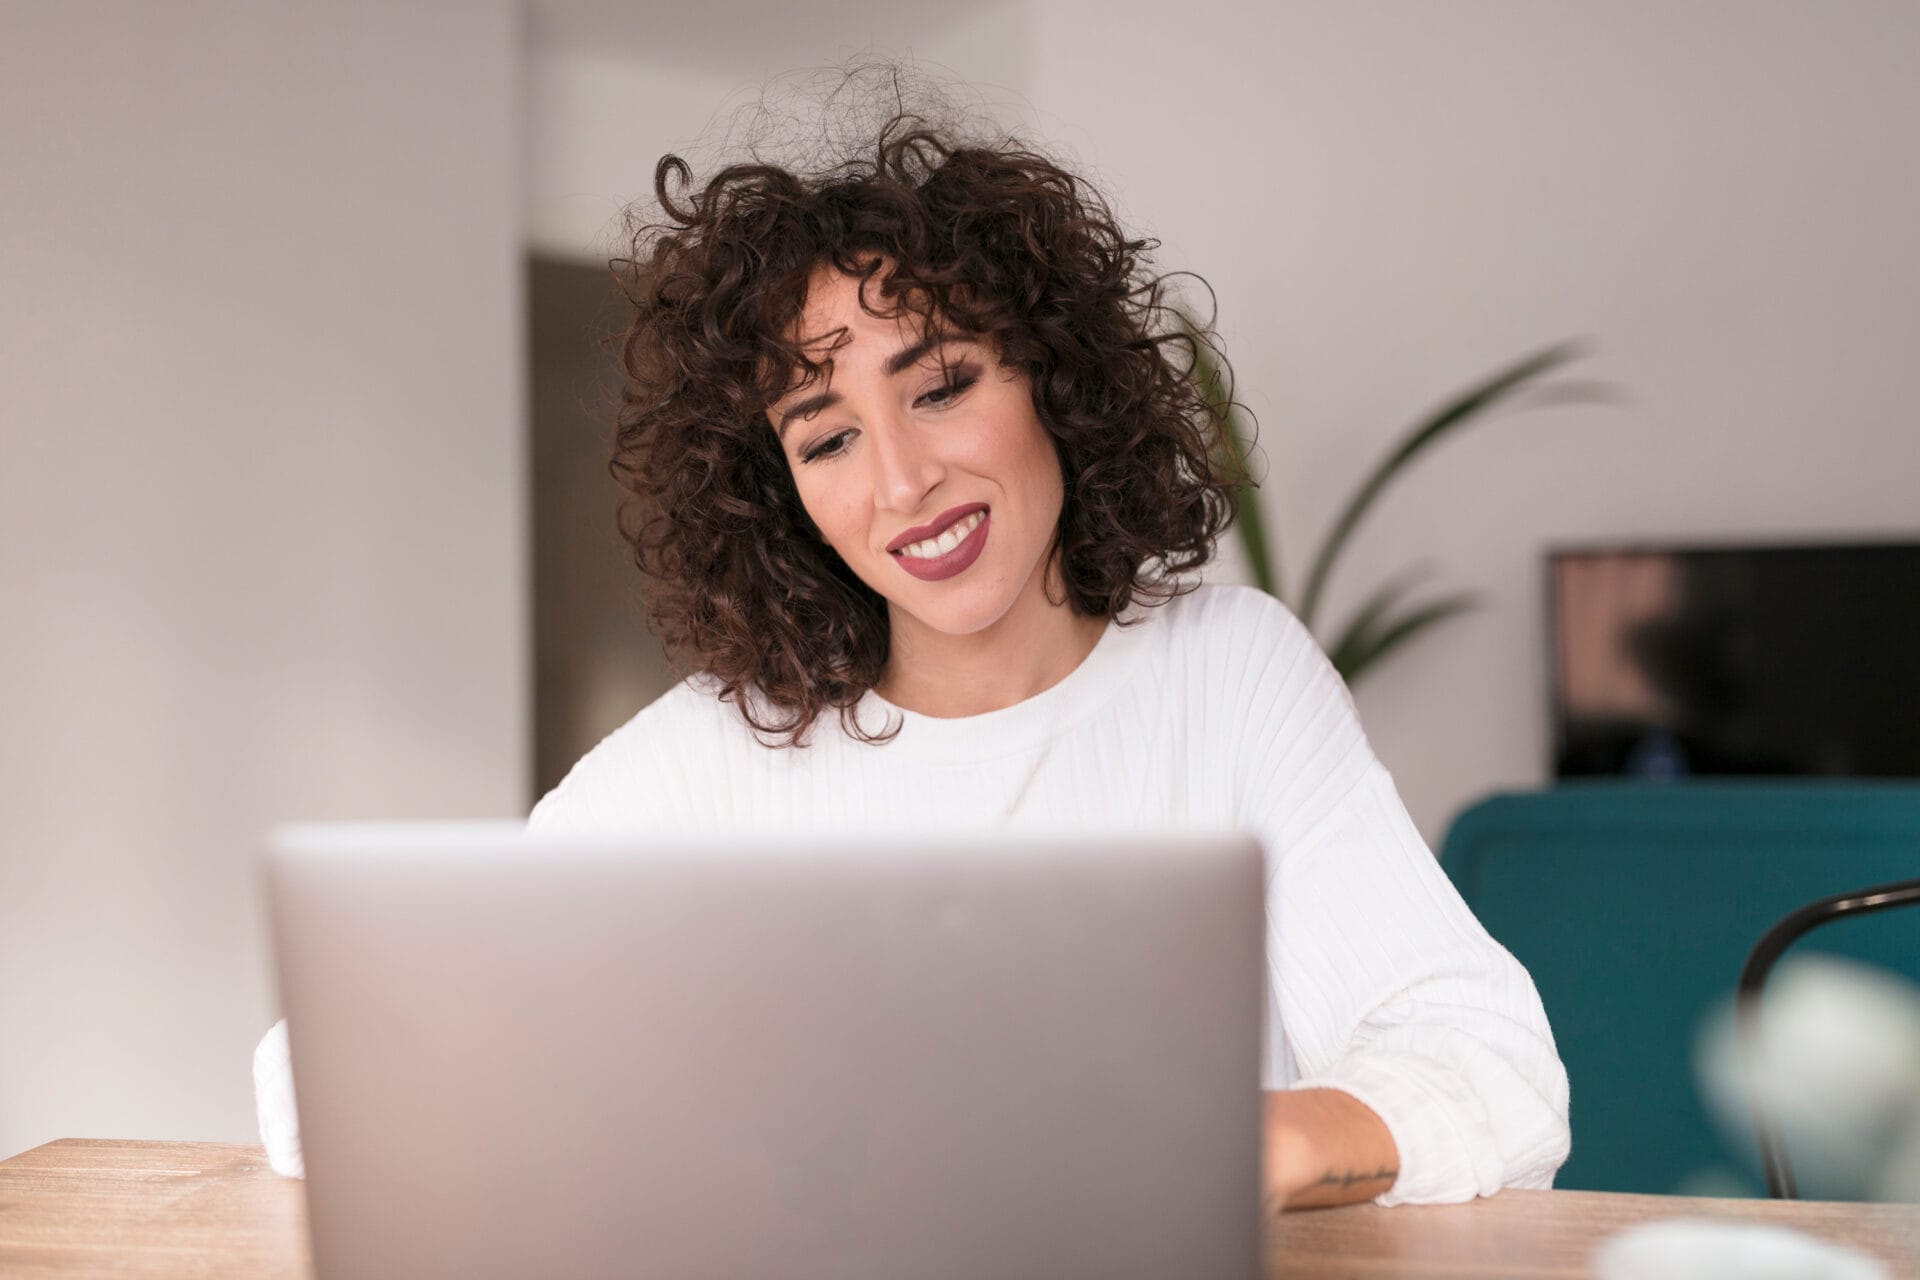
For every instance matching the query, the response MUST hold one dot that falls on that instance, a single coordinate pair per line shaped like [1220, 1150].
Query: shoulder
[1293, 741]
[1247, 663]
[1222, 605]
[1288, 676]
[642, 772]
[1235, 622]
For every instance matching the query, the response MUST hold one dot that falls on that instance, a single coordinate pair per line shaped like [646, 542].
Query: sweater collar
[1027, 724]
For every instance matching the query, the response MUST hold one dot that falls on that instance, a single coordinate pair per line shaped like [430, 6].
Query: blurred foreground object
[1704, 1250]
[1839, 1070]
[1749, 1013]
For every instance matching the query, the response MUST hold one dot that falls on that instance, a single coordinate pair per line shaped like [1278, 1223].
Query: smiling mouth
[952, 551]
[922, 537]
[949, 538]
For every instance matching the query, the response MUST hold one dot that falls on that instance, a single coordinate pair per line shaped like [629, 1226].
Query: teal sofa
[1634, 904]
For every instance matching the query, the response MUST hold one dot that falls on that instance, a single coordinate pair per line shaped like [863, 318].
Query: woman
[916, 460]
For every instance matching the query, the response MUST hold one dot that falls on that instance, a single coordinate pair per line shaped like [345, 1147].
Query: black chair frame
[1753, 978]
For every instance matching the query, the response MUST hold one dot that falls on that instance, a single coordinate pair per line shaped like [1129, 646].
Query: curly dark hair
[991, 238]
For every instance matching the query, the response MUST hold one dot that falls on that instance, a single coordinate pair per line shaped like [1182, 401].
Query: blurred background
[303, 510]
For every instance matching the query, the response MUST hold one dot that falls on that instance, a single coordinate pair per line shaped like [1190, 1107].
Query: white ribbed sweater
[1216, 708]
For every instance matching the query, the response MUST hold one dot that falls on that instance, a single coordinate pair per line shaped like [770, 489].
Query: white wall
[1394, 198]
[611, 86]
[261, 542]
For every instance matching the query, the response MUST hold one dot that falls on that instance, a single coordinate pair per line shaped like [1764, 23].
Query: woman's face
[921, 461]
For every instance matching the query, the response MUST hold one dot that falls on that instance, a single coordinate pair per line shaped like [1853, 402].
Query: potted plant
[1388, 618]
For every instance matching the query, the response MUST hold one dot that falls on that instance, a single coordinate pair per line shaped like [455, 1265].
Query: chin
[955, 612]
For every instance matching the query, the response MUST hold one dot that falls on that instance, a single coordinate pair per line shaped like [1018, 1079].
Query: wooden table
[88, 1207]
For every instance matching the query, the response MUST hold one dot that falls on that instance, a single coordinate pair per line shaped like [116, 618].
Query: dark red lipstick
[955, 559]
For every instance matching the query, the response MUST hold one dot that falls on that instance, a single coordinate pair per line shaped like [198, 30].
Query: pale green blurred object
[1386, 619]
[1840, 1066]
[1702, 1249]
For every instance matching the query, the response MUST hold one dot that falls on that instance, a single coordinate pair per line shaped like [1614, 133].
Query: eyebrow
[905, 358]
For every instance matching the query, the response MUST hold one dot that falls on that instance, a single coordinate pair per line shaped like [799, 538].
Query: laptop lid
[966, 1055]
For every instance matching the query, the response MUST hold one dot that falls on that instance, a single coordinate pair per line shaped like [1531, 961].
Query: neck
[1035, 645]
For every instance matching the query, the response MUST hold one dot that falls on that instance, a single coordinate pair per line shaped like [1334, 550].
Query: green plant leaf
[1233, 450]
[1434, 427]
[1357, 636]
[1406, 627]
[1247, 516]
[1569, 391]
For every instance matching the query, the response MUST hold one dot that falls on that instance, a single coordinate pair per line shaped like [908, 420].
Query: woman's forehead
[839, 310]
[837, 324]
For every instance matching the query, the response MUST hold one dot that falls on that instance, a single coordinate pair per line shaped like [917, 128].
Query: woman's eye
[947, 394]
[826, 448]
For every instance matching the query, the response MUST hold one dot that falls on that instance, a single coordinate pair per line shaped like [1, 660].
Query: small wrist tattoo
[1353, 1177]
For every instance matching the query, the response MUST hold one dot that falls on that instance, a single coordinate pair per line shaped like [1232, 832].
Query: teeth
[933, 548]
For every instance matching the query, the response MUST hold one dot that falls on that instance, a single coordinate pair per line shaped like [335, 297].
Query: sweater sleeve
[273, 1103]
[1387, 986]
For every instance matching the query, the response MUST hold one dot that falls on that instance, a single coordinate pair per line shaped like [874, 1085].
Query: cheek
[833, 513]
[1017, 450]
[1040, 463]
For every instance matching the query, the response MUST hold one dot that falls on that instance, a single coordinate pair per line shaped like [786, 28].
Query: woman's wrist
[1323, 1147]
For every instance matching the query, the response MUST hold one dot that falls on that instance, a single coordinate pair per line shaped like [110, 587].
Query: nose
[906, 470]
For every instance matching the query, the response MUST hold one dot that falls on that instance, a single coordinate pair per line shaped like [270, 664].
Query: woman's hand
[1323, 1147]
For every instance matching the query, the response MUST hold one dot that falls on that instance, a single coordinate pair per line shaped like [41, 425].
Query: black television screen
[1765, 660]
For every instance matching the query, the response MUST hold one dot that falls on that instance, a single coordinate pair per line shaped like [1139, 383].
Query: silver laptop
[968, 1055]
